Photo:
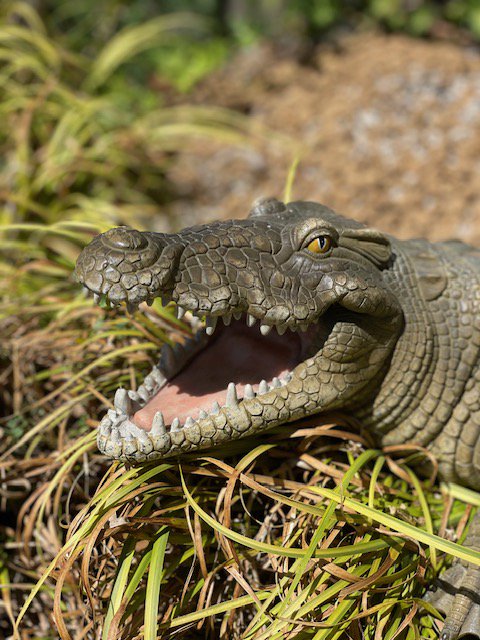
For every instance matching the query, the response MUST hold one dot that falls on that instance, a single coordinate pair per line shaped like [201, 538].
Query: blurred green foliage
[247, 19]
[416, 17]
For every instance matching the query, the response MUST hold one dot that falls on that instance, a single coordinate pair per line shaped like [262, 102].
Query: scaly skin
[392, 333]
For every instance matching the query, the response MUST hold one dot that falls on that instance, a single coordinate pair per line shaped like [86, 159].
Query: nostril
[125, 238]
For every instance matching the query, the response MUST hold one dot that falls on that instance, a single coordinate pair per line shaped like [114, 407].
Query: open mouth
[236, 363]
[229, 375]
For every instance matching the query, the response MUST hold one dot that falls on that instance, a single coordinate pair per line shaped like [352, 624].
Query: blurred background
[166, 113]
[162, 114]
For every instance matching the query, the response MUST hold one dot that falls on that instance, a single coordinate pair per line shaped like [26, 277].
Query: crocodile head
[307, 324]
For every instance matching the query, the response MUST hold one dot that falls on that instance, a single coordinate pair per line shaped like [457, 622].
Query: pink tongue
[239, 354]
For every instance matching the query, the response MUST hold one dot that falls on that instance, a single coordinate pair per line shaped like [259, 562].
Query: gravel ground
[388, 130]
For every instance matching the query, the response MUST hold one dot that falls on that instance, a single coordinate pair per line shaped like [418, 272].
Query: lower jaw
[280, 405]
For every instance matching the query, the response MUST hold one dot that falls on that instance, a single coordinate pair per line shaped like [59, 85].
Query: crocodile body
[350, 319]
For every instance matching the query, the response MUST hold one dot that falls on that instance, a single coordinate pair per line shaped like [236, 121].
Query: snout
[127, 265]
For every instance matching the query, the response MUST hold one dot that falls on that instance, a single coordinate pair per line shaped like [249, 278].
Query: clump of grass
[312, 535]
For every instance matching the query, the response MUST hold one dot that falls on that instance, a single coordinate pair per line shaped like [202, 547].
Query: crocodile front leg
[458, 593]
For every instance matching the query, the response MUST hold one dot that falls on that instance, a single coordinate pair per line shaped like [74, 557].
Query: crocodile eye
[322, 244]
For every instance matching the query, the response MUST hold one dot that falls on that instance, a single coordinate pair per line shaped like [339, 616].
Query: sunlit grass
[306, 536]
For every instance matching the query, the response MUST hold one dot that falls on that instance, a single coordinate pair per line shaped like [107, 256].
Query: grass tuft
[310, 535]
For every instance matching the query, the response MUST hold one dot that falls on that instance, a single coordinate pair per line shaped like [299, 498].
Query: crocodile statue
[318, 313]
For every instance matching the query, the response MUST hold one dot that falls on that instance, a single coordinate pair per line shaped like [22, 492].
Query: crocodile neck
[430, 365]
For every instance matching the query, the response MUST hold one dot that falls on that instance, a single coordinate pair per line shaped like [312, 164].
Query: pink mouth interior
[236, 354]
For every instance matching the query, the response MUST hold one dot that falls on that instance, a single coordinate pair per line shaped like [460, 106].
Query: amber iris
[321, 244]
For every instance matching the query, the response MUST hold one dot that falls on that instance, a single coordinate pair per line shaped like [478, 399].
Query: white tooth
[96, 298]
[287, 377]
[232, 400]
[248, 392]
[175, 426]
[195, 322]
[189, 422]
[211, 322]
[263, 387]
[265, 329]
[131, 307]
[112, 414]
[227, 319]
[133, 395]
[143, 436]
[202, 414]
[145, 444]
[250, 320]
[215, 408]
[158, 424]
[180, 311]
[281, 328]
[276, 383]
[86, 291]
[150, 382]
[158, 376]
[143, 393]
[304, 327]
[293, 328]
[122, 401]
[237, 315]
[130, 444]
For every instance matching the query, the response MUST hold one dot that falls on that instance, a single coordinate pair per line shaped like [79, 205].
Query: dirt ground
[388, 130]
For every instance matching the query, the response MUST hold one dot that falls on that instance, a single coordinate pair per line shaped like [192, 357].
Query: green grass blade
[137, 39]
[124, 563]
[339, 552]
[452, 548]
[154, 581]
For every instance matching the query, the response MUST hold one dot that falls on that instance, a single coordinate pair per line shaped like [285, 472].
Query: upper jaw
[211, 316]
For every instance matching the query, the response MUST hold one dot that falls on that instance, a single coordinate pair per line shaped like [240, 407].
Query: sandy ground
[388, 130]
